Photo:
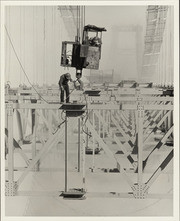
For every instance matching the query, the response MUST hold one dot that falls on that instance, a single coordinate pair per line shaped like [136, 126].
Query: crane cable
[20, 42]
[33, 24]
[9, 51]
[77, 23]
[80, 21]
[44, 42]
[84, 15]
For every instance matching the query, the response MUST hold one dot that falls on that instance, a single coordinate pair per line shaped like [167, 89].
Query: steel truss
[130, 118]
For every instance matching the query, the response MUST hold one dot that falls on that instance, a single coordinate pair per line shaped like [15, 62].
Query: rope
[22, 65]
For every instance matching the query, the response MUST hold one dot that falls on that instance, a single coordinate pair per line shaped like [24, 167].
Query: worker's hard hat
[68, 76]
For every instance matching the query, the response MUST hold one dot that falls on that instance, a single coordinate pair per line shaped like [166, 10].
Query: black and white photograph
[89, 110]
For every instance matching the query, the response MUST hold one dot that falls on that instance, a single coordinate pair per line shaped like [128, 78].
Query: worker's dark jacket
[63, 80]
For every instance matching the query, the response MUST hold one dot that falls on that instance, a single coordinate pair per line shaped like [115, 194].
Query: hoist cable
[9, 54]
[53, 42]
[170, 46]
[33, 46]
[24, 40]
[162, 51]
[44, 46]
[36, 39]
[77, 25]
[84, 15]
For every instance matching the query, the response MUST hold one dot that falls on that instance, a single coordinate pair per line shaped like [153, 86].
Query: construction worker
[95, 41]
[63, 86]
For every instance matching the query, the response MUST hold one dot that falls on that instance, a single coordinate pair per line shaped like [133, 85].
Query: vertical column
[49, 123]
[87, 138]
[34, 151]
[6, 134]
[99, 123]
[163, 126]
[11, 185]
[25, 121]
[140, 141]
[135, 150]
[103, 130]
[84, 143]
[66, 155]
[20, 128]
[93, 160]
[10, 143]
[110, 131]
[139, 187]
[33, 114]
[79, 144]
[109, 120]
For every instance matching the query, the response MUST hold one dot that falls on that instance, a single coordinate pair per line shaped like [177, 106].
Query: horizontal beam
[95, 106]
[55, 91]
[111, 194]
[148, 107]
[102, 98]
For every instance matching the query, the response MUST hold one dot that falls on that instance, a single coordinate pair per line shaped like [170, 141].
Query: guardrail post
[79, 144]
